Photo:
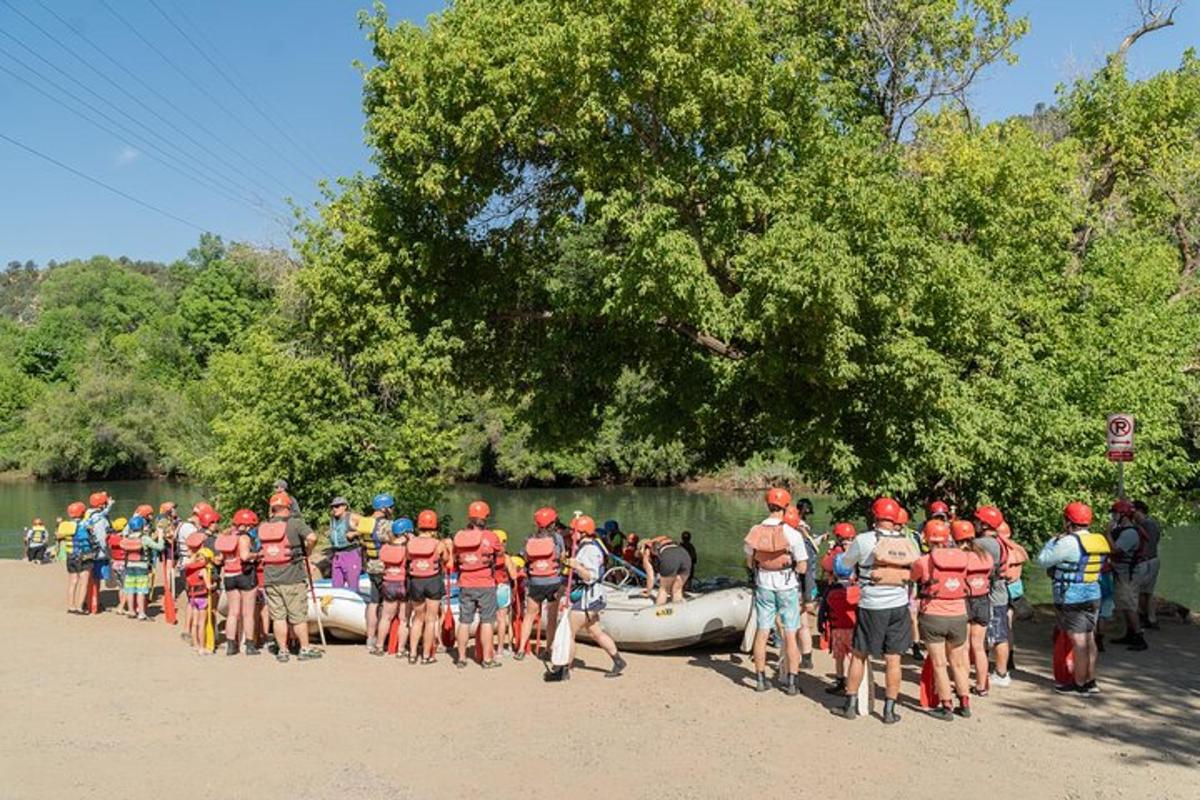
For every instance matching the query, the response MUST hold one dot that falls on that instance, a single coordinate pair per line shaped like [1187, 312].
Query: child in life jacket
[197, 576]
[117, 562]
[839, 603]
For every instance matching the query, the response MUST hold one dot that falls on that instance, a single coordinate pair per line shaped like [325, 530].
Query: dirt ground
[108, 707]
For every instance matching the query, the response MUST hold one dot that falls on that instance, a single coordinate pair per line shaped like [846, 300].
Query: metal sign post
[1120, 429]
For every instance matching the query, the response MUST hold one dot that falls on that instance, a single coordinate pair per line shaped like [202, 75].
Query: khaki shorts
[288, 602]
[1124, 593]
[951, 630]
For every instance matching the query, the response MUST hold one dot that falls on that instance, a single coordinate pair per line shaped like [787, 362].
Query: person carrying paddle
[883, 557]
[285, 542]
[776, 552]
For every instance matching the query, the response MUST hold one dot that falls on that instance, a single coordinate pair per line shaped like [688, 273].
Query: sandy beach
[107, 707]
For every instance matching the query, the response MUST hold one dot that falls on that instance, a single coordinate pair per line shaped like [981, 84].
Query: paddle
[210, 632]
[312, 591]
[168, 594]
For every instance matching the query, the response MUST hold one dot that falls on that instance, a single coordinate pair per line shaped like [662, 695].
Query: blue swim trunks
[784, 603]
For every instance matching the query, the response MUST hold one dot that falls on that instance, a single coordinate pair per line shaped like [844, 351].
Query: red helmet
[584, 524]
[98, 499]
[208, 518]
[844, 530]
[427, 520]
[990, 516]
[200, 508]
[76, 510]
[280, 500]
[936, 531]
[478, 510]
[962, 530]
[1123, 507]
[545, 516]
[144, 510]
[244, 516]
[937, 508]
[791, 516]
[1078, 513]
[779, 498]
[166, 508]
[886, 509]
[902, 517]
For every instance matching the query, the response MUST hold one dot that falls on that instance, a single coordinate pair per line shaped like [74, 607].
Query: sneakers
[838, 687]
[942, 713]
[505, 653]
[791, 686]
[963, 711]
[890, 717]
[760, 682]
[231, 648]
[1000, 680]
[975, 690]
[250, 649]
[806, 661]
[618, 666]
[557, 674]
[281, 656]
[1067, 688]
[849, 710]
[917, 653]
[1139, 644]
[309, 654]
[490, 664]
[1090, 688]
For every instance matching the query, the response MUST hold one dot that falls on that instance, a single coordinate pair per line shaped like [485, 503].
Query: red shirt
[482, 578]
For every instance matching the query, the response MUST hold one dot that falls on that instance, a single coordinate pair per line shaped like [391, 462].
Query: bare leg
[677, 588]
[248, 601]
[960, 669]
[977, 636]
[941, 674]
[372, 624]
[301, 631]
[386, 615]
[432, 611]
[233, 615]
[858, 668]
[791, 644]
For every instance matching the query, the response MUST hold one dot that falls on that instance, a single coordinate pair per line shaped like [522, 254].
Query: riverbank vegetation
[654, 241]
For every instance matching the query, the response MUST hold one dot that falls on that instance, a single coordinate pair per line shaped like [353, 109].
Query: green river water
[717, 520]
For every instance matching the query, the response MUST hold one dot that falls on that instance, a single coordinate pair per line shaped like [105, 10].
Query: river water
[717, 520]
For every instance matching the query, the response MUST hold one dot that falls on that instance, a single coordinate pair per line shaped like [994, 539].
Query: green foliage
[221, 301]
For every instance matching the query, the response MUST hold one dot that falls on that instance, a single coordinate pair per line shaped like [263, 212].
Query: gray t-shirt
[1153, 534]
[874, 598]
[284, 574]
[999, 591]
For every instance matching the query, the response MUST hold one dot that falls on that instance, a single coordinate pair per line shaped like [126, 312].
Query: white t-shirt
[861, 552]
[185, 529]
[781, 579]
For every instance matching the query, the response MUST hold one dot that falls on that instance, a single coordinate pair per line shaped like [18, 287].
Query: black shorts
[395, 591]
[543, 593]
[979, 610]
[376, 588]
[1078, 617]
[76, 564]
[240, 583]
[883, 631]
[36, 552]
[674, 561]
[429, 588]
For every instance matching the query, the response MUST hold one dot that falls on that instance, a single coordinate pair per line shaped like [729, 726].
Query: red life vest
[841, 603]
[947, 575]
[227, 546]
[394, 558]
[979, 574]
[1017, 555]
[131, 550]
[471, 551]
[771, 550]
[115, 552]
[275, 546]
[423, 560]
[543, 557]
[194, 572]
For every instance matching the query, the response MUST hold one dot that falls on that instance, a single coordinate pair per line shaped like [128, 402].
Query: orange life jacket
[195, 541]
[131, 550]
[394, 558]
[543, 557]
[979, 574]
[423, 560]
[115, 551]
[1017, 555]
[275, 546]
[771, 550]
[892, 559]
[841, 604]
[227, 546]
[947, 575]
[193, 573]
[470, 551]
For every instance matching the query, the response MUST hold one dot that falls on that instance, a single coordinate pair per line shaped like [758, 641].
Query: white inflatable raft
[635, 623]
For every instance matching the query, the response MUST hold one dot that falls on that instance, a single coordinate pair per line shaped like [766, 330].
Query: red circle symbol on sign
[1119, 426]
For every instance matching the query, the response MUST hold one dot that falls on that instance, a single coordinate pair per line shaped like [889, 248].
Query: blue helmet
[840, 570]
[611, 526]
[383, 500]
[402, 526]
[136, 524]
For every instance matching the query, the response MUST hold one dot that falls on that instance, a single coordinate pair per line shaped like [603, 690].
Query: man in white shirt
[778, 562]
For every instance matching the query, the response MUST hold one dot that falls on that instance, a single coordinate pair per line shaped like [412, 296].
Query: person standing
[883, 557]
[75, 537]
[1128, 555]
[797, 517]
[988, 521]
[96, 519]
[375, 533]
[776, 553]
[941, 580]
[394, 556]
[235, 547]
[543, 553]
[285, 542]
[587, 600]
[36, 539]
[1148, 579]
[839, 605]
[475, 550]
[1075, 558]
[140, 542]
[428, 560]
[346, 563]
[979, 602]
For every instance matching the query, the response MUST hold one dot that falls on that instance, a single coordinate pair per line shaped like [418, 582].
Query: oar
[168, 594]
[312, 591]
[627, 565]
[210, 633]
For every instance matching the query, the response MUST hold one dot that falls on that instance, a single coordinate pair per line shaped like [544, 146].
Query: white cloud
[127, 155]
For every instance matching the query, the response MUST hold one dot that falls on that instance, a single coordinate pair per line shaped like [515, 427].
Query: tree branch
[1153, 19]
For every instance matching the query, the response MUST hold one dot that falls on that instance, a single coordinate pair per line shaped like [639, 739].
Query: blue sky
[293, 60]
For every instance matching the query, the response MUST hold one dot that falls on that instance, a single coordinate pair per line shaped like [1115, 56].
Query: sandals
[493, 664]
[310, 654]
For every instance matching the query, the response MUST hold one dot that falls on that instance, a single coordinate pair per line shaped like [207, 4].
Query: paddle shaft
[312, 590]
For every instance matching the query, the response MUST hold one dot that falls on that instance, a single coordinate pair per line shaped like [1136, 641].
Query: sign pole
[1121, 480]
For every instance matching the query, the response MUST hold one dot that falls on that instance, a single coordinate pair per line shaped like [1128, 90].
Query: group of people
[948, 590]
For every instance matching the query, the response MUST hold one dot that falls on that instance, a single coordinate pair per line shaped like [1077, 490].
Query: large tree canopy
[717, 199]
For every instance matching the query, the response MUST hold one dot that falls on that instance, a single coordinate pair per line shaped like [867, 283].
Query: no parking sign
[1120, 437]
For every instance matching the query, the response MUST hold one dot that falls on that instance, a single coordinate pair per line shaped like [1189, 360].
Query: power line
[235, 170]
[257, 106]
[204, 90]
[100, 183]
[125, 132]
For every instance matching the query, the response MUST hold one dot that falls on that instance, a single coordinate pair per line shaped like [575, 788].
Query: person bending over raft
[883, 556]
[587, 599]
[285, 541]
[663, 555]
[394, 556]
[1075, 558]
[237, 558]
[428, 562]
[544, 553]
[778, 556]
[979, 603]
[475, 550]
[941, 580]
